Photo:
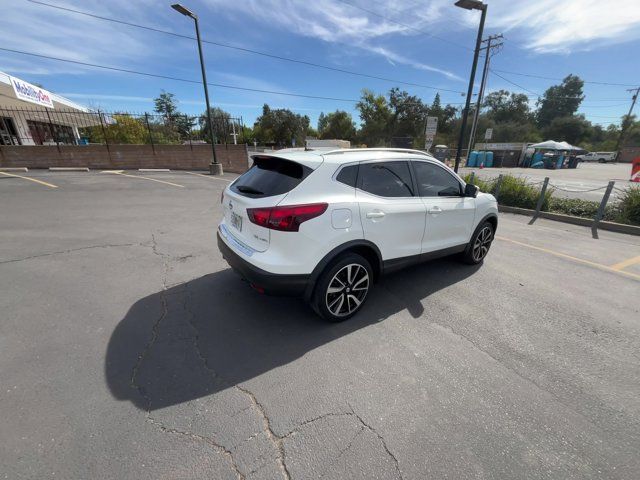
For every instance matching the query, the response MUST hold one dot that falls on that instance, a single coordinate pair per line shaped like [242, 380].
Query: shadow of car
[156, 354]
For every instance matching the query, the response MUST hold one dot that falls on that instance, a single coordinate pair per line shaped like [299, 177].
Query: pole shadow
[197, 338]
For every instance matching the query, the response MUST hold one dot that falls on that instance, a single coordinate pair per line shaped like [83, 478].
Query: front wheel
[342, 288]
[602, 160]
[479, 245]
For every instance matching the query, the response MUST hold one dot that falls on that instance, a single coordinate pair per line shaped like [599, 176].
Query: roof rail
[379, 149]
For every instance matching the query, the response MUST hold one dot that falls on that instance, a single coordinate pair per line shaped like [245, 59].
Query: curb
[14, 169]
[584, 222]
[68, 169]
[154, 170]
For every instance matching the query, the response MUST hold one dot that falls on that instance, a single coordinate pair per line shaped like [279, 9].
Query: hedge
[516, 192]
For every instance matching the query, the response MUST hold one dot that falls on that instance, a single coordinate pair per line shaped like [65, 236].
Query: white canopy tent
[553, 145]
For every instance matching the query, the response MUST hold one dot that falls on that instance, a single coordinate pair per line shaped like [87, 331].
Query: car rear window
[270, 176]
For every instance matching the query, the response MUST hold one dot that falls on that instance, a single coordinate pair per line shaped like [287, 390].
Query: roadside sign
[430, 132]
[488, 134]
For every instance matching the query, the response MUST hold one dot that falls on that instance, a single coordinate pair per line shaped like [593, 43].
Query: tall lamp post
[215, 168]
[470, 5]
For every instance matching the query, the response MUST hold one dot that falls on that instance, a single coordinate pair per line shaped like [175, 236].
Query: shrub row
[516, 192]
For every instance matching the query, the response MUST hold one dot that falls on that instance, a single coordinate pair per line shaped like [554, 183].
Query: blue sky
[594, 39]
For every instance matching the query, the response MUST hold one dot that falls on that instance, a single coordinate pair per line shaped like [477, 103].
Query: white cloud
[567, 25]
[333, 22]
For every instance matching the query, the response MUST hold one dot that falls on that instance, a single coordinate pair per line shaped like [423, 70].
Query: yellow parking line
[212, 177]
[51, 185]
[599, 266]
[626, 263]
[119, 172]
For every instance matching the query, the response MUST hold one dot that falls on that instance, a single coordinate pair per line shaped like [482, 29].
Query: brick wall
[628, 154]
[234, 158]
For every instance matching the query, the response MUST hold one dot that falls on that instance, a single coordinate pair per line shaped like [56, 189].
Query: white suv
[327, 225]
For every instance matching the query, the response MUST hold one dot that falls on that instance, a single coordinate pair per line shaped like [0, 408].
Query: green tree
[338, 124]
[408, 116]
[124, 129]
[504, 106]
[560, 100]
[166, 105]
[375, 115]
[573, 129]
[281, 127]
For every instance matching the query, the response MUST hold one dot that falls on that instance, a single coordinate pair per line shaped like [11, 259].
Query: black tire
[480, 243]
[350, 293]
[602, 160]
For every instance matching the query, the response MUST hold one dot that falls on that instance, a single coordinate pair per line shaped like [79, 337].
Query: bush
[628, 207]
[574, 206]
[516, 192]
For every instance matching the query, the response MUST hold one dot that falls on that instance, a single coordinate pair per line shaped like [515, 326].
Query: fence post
[53, 134]
[146, 120]
[187, 123]
[496, 194]
[104, 134]
[540, 200]
[600, 212]
[472, 177]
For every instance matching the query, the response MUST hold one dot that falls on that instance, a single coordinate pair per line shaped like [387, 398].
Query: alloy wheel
[347, 290]
[482, 243]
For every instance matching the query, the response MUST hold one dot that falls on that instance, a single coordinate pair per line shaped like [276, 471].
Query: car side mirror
[470, 190]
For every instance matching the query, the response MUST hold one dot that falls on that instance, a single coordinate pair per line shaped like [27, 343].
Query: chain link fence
[43, 126]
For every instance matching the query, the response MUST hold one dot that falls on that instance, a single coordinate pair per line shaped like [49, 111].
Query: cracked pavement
[130, 350]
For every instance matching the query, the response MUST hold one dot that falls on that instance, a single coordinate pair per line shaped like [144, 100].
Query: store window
[8, 132]
[49, 134]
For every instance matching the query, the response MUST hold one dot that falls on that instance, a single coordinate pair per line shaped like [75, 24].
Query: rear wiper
[248, 189]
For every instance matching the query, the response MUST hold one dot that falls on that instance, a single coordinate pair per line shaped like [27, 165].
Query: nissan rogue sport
[326, 225]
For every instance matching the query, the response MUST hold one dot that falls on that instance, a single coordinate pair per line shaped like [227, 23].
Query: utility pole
[470, 5]
[623, 129]
[483, 83]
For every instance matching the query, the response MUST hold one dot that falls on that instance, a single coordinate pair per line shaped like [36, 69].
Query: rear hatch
[265, 184]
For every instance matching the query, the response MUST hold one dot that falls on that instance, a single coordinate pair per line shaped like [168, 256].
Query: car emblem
[230, 206]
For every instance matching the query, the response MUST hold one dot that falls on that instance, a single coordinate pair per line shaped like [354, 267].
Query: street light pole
[470, 5]
[215, 168]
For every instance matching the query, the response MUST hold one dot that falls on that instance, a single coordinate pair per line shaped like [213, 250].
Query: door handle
[435, 210]
[376, 214]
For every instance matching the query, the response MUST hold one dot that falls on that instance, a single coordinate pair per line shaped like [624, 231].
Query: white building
[30, 115]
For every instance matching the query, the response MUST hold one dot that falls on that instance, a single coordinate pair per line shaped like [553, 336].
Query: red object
[635, 170]
[286, 219]
[481, 165]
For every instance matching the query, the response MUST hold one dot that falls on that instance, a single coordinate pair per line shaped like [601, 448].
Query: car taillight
[286, 219]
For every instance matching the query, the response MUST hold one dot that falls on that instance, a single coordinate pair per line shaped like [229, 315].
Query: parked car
[326, 225]
[601, 157]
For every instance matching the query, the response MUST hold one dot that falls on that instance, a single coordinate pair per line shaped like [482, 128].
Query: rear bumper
[271, 283]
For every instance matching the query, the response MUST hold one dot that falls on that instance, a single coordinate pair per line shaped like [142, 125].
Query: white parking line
[212, 177]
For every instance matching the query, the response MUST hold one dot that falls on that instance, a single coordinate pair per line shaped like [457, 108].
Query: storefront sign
[31, 93]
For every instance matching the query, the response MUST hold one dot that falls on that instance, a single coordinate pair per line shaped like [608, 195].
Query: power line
[415, 29]
[247, 50]
[560, 79]
[186, 80]
[167, 77]
[538, 95]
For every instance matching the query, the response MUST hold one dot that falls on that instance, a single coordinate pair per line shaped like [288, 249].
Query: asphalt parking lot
[130, 350]
[588, 181]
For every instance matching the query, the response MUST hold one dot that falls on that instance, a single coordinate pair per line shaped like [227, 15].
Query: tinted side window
[434, 181]
[348, 175]
[270, 176]
[386, 179]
